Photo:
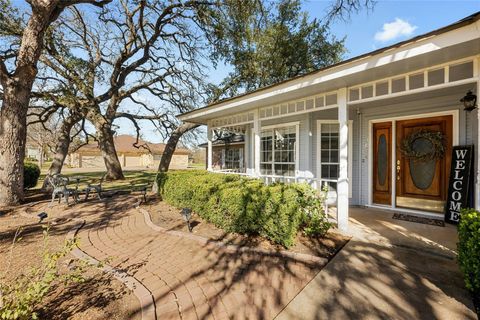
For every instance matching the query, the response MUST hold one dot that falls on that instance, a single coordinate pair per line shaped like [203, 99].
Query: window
[329, 150]
[277, 151]
[329, 162]
[233, 158]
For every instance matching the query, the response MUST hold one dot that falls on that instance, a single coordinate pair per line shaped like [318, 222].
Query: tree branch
[96, 3]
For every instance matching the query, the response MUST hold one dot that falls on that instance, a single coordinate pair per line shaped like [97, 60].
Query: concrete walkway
[390, 269]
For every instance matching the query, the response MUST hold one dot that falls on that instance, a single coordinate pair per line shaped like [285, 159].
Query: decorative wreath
[437, 139]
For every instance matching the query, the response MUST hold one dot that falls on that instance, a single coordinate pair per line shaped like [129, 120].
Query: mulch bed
[99, 297]
[169, 217]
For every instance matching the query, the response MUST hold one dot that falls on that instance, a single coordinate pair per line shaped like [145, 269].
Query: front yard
[120, 235]
[227, 268]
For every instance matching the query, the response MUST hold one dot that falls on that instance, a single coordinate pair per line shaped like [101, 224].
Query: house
[131, 154]
[33, 152]
[345, 125]
[227, 152]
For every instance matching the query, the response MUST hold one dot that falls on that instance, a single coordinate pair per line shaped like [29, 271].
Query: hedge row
[238, 204]
[469, 251]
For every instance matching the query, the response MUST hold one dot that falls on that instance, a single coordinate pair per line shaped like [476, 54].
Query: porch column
[256, 142]
[209, 148]
[247, 165]
[342, 186]
[477, 184]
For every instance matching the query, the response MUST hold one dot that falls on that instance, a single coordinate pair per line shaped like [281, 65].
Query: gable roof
[126, 144]
[186, 116]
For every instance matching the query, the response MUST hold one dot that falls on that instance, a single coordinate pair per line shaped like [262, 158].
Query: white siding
[360, 115]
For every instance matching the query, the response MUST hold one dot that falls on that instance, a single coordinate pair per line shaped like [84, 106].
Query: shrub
[20, 298]
[469, 251]
[31, 173]
[238, 204]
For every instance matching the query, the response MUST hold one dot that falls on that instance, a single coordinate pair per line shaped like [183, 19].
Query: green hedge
[238, 204]
[31, 173]
[469, 249]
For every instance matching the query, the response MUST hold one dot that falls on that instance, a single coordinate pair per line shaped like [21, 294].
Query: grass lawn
[132, 178]
[197, 166]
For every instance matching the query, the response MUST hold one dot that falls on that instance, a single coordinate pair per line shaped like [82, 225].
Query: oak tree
[19, 55]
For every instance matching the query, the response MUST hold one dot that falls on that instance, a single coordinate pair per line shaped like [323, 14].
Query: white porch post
[342, 186]
[256, 142]
[477, 184]
[246, 150]
[209, 148]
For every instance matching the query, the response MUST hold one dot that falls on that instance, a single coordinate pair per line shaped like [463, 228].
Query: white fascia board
[406, 51]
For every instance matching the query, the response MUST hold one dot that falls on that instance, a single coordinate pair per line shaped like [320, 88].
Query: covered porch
[320, 128]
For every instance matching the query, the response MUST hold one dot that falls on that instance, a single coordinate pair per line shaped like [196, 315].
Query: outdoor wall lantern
[469, 101]
[187, 214]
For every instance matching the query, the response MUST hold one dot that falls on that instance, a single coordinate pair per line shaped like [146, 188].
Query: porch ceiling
[425, 52]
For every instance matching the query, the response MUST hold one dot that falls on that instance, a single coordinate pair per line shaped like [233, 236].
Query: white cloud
[395, 29]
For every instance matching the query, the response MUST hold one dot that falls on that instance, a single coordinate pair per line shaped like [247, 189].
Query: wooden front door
[423, 184]
[382, 163]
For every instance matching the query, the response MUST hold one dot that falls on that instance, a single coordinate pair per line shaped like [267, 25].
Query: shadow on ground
[390, 269]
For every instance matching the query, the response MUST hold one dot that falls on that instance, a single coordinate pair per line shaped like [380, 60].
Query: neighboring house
[143, 155]
[228, 153]
[343, 125]
[33, 152]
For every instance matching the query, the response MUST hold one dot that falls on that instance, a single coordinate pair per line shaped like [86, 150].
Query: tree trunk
[109, 153]
[17, 87]
[13, 134]
[172, 145]
[62, 146]
[40, 161]
[170, 148]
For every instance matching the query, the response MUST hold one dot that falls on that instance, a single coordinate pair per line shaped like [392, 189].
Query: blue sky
[389, 22]
[421, 16]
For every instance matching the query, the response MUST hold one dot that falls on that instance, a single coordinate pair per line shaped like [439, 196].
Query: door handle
[398, 169]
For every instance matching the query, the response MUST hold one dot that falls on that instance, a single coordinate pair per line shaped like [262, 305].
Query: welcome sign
[459, 184]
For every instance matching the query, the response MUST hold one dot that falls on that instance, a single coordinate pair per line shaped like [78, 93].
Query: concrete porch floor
[391, 269]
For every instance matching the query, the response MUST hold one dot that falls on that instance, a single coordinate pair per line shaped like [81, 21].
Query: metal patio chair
[95, 187]
[60, 189]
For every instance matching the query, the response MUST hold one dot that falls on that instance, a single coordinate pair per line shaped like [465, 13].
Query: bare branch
[96, 3]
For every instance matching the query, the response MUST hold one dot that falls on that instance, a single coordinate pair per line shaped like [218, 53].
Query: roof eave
[189, 116]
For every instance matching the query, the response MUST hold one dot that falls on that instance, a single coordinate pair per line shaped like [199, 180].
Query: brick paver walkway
[189, 280]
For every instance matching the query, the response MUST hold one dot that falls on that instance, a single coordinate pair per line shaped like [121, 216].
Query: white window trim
[350, 151]
[240, 157]
[295, 124]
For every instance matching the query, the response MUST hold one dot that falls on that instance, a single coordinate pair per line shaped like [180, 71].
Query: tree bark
[109, 153]
[62, 146]
[13, 134]
[170, 149]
